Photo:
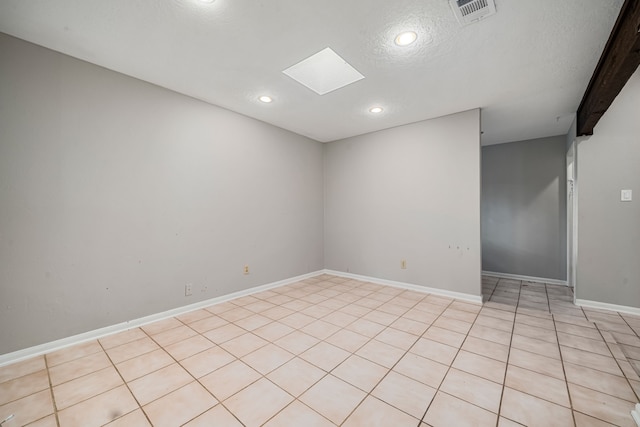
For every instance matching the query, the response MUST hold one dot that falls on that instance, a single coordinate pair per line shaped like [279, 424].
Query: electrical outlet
[246, 269]
[188, 289]
[403, 264]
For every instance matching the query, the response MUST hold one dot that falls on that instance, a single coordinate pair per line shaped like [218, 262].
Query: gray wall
[115, 193]
[608, 229]
[524, 208]
[412, 193]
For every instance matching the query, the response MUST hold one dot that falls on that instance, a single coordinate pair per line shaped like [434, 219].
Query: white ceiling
[527, 66]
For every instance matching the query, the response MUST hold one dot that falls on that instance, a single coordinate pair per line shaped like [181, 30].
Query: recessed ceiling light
[376, 110]
[406, 38]
[266, 99]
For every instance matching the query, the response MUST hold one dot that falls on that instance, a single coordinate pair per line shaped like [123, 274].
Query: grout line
[564, 372]
[53, 398]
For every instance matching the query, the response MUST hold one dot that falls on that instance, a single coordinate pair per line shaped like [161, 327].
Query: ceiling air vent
[468, 11]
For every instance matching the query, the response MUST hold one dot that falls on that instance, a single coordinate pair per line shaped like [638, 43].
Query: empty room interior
[345, 213]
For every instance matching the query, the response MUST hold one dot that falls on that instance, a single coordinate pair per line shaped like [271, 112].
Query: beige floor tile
[333, 398]
[481, 366]
[537, 363]
[532, 345]
[180, 406]
[404, 393]
[535, 332]
[347, 340]
[236, 314]
[532, 411]
[277, 313]
[296, 376]
[505, 422]
[411, 326]
[434, 350]
[224, 333]
[208, 361]
[28, 409]
[216, 416]
[131, 349]
[490, 334]
[99, 410]
[339, 319]
[601, 406]
[297, 342]
[257, 403]
[463, 315]
[145, 364]
[23, 386]
[136, 418]
[360, 372]
[539, 385]
[72, 353]
[590, 360]
[586, 344]
[267, 358]
[316, 311]
[421, 369]
[444, 336]
[447, 411]
[320, 329]
[253, 322]
[298, 414]
[122, 338]
[162, 325]
[373, 412]
[499, 314]
[194, 316]
[494, 322]
[188, 347]
[583, 420]
[396, 338]
[20, 369]
[297, 320]
[244, 344]
[174, 335]
[381, 353]
[207, 324]
[486, 348]
[366, 327]
[325, 356]
[78, 367]
[49, 421]
[451, 324]
[220, 307]
[473, 389]
[86, 387]
[259, 306]
[230, 379]
[273, 331]
[581, 331]
[159, 383]
[600, 381]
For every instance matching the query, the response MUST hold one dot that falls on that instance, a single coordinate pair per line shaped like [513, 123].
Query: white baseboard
[607, 306]
[16, 356]
[410, 286]
[526, 278]
[635, 414]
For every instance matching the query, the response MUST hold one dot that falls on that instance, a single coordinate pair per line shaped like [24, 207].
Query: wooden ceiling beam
[619, 60]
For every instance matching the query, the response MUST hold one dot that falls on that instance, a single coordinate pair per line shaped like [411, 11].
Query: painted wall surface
[115, 193]
[609, 229]
[524, 217]
[407, 193]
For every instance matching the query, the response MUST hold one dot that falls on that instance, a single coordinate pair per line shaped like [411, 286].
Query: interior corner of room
[122, 201]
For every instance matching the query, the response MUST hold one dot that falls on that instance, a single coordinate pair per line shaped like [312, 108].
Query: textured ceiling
[526, 67]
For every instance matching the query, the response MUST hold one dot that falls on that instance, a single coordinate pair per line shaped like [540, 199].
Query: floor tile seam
[74, 359]
[53, 398]
[90, 397]
[459, 349]
[633, 390]
[506, 370]
[126, 384]
[34, 392]
[564, 373]
[179, 388]
[87, 374]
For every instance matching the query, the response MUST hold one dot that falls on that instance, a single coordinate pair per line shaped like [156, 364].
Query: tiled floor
[332, 351]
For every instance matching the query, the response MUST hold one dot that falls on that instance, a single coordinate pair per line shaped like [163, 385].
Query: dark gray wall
[609, 229]
[524, 222]
[115, 193]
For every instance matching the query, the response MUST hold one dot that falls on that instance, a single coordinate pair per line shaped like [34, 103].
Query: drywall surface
[115, 194]
[524, 202]
[408, 193]
[609, 229]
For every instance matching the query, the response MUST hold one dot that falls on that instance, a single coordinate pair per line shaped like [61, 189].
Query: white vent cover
[468, 11]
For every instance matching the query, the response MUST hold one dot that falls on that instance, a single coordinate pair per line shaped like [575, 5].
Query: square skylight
[324, 72]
